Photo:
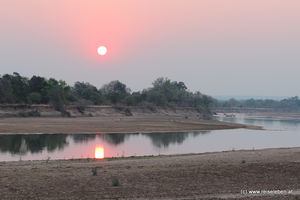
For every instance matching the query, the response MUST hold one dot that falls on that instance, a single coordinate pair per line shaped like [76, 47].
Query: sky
[217, 47]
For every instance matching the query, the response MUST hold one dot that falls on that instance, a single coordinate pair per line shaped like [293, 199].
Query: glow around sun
[102, 50]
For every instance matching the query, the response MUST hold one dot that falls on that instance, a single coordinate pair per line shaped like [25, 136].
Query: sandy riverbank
[200, 176]
[111, 124]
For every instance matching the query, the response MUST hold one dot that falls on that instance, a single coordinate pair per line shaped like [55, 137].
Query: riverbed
[278, 133]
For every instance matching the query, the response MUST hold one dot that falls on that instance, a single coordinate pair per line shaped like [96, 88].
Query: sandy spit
[111, 125]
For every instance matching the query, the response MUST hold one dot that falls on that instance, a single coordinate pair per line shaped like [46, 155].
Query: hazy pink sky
[220, 47]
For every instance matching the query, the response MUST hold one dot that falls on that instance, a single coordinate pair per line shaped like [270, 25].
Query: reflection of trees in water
[197, 133]
[158, 139]
[257, 121]
[290, 122]
[10, 143]
[21, 144]
[116, 138]
[165, 139]
[274, 122]
[80, 138]
[112, 138]
[227, 119]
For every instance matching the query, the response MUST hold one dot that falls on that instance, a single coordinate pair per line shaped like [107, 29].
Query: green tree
[6, 91]
[34, 97]
[88, 92]
[19, 85]
[115, 91]
[39, 85]
[58, 93]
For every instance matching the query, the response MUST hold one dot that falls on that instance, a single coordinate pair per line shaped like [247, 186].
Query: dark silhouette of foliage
[87, 92]
[115, 92]
[114, 138]
[81, 138]
[166, 139]
[289, 104]
[20, 144]
[16, 89]
[172, 93]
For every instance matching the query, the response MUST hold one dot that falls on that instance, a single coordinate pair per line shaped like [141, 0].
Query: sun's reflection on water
[99, 152]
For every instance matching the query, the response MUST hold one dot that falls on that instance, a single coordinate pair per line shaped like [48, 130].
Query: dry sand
[111, 124]
[201, 176]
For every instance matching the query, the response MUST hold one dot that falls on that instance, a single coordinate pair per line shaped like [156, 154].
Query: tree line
[289, 104]
[17, 89]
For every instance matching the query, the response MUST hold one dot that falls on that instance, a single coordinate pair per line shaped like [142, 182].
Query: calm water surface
[279, 133]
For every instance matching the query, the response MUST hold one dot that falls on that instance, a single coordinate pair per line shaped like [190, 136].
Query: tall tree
[115, 91]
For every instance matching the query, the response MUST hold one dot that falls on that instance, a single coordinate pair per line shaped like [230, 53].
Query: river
[278, 133]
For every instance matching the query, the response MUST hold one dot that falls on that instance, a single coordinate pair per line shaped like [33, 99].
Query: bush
[115, 182]
[33, 113]
[81, 109]
[128, 112]
[65, 113]
[95, 171]
[82, 104]
[151, 107]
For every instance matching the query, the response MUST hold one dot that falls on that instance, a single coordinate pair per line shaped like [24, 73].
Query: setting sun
[99, 152]
[102, 50]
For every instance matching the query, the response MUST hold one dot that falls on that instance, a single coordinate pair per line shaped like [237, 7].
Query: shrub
[128, 112]
[81, 108]
[95, 171]
[151, 107]
[33, 113]
[115, 182]
[48, 159]
[65, 113]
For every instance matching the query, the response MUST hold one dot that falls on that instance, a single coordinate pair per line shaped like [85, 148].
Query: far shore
[120, 124]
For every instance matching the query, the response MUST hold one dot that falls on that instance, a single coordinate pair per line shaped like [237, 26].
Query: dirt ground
[200, 176]
[111, 124]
